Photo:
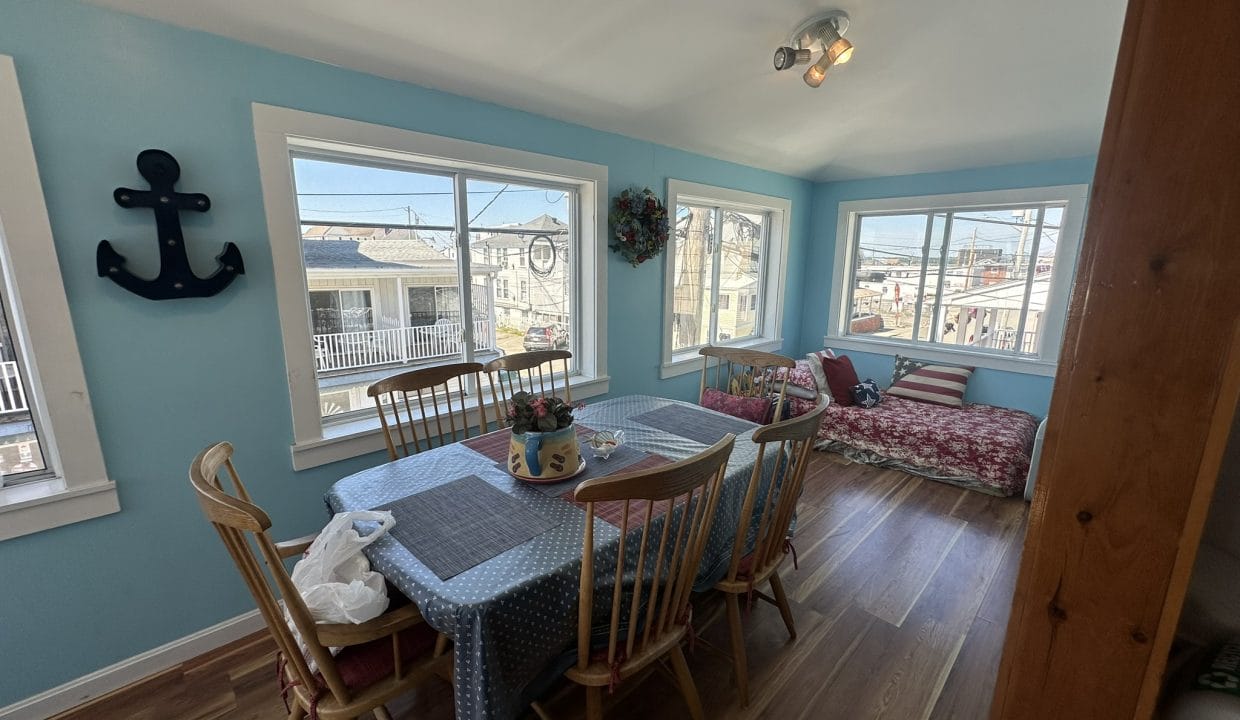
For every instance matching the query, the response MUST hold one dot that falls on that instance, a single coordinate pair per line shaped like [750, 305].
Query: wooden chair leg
[594, 703]
[739, 667]
[687, 688]
[785, 610]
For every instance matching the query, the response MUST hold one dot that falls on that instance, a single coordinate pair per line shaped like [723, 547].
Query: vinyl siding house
[382, 298]
[533, 277]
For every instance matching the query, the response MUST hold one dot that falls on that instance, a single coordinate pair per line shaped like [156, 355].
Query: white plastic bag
[335, 579]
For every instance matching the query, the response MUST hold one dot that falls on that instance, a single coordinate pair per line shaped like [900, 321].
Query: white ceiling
[933, 84]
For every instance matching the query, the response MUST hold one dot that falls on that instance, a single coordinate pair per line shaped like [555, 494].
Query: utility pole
[688, 297]
[968, 277]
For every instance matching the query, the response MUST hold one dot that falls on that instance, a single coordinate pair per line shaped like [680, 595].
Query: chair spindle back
[792, 441]
[667, 560]
[746, 372]
[533, 372]
[426, 398]
[243, 526]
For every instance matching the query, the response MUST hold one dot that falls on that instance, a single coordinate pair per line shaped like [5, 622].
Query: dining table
[494, 562]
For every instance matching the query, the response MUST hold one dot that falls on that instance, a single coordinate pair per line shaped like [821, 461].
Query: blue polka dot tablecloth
[514, 616]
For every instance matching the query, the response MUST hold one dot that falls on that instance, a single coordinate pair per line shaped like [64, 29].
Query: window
[403, 250]
[44, 404]
[725, 272]
[981, 274]
[341, 311]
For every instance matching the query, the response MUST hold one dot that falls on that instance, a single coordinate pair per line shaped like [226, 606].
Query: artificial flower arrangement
[529, 413]
[639, 225]
[543, 446]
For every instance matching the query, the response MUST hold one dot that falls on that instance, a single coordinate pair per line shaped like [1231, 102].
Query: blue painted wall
[1026, 392]
[168, 378]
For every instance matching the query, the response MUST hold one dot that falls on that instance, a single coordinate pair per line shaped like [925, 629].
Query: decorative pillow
[866, 393]
[840, 377]
[938, 384]
[753, 409]
[904, 366]
[815, 366]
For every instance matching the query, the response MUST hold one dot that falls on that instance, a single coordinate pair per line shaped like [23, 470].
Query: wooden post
[1148, 379]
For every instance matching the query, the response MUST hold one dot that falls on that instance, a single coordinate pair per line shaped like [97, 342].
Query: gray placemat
[693, 424]
[455, 526]
[621, 457]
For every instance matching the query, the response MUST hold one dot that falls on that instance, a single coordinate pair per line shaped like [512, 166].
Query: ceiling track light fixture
[823, 33]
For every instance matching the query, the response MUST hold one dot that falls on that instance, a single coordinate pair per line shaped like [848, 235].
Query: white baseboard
[125, 672]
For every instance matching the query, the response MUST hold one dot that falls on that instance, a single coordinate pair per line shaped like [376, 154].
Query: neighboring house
[533, 276]
[989, 316]
[381, 298]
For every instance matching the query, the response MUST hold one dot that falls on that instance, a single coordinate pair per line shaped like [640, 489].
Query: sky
[340, 191]
[903, 236]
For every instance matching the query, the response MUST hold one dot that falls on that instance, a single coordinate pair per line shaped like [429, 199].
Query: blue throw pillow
[866, 393]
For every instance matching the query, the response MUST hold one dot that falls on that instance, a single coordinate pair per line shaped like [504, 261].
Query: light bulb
[817, 72]
[840, 51]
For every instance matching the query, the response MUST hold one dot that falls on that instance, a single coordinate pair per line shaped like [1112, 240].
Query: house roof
[1005, 295]
[333, 248]
[512, 235]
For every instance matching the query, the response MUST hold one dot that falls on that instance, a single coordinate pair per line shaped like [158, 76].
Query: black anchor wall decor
[176, 278]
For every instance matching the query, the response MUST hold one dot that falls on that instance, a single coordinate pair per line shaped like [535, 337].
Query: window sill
[990, 361]
[689, 362]
[361, 437]
[45, 504]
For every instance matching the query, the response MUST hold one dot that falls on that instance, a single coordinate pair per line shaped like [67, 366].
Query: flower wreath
[639, 225]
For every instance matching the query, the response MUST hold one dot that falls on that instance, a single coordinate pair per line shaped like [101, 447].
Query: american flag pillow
[938, 384]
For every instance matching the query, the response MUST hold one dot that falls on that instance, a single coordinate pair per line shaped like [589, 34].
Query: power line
[391, 194]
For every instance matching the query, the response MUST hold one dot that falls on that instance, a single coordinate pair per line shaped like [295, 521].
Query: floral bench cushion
[989, 444]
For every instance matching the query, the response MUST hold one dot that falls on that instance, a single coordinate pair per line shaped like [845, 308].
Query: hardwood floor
[901, 602]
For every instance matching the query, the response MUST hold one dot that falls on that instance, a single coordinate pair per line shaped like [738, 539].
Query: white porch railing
[368, 348]
[12, 390]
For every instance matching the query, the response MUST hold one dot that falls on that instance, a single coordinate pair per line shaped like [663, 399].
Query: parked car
[545, 337]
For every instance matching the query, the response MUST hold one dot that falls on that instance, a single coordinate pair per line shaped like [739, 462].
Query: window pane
[325, 311]
[887, 274]
[740, 263]
[925, 304]
[989, 260]
[692, 289]
[379, 251]
[1052, 220]
[523, 263]
[356, 312]
[21, 457]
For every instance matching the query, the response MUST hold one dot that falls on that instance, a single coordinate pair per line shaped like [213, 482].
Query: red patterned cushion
[939, 384]
[802, 377]
[753, 409]
[840, 378]
[361, 666]
[989, 445]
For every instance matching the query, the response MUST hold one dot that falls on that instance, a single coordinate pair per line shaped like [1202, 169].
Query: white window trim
[775, 267]
[1068, 248]
[80, 488]
[277, 130]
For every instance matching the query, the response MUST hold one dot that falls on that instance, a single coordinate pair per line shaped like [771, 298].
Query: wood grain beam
[1146, 378]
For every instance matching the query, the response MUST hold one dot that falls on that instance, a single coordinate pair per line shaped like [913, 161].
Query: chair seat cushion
[753, 409]
[361, 666]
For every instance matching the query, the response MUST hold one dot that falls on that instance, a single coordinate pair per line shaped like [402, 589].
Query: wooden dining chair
[426, 396]
[534, 372]
[648, 617]
[381, 659]
[748, 373]
[773, 497]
